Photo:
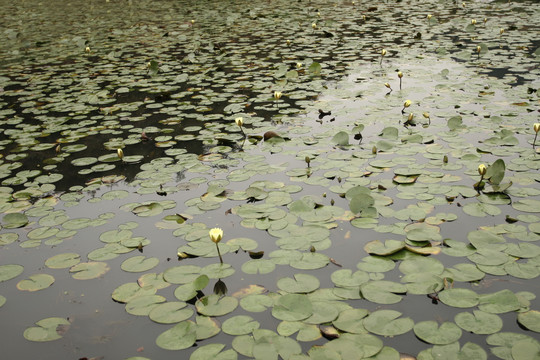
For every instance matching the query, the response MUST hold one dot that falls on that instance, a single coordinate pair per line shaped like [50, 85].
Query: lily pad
[48, 329]
[388, 323]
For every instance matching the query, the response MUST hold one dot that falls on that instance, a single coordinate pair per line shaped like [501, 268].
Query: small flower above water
[314, 26]
[406, 104]
[482, 169]
[120, 153]
[473, 22]
[239, 121]
[87, 49]
[277, 95]
[216, 234]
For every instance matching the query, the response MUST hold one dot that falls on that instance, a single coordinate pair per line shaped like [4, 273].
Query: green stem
[534, 141]
[219, 253]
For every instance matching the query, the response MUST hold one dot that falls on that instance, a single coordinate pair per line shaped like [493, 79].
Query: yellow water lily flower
[407, 103]
[239, 121]
[120, 153]
[399, 74]
[277, 95]
[482, 169]
[216, 234]
[536, 127]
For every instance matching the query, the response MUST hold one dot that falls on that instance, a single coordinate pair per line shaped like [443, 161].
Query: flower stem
[219, 253]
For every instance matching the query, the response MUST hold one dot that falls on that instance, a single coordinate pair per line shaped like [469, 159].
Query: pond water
[356, 222]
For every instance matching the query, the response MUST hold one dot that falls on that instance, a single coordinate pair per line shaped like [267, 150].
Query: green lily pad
[499, 302]
[143, 305]
[35, 282]
[460, 298]
[388, 323]
[139, 263]
[182, 336]
[530, 319]
[62, 261]
[213, 305]
[213, 351]
[14, 220]
[10, 271]
[350, 321]
[389, 247]
[48, 329]
[258, 266]
[431, 332]
[170, 312]
[479, 322]
[383, 292]
[239, 325]
[89, 270]
[292, 307]
[302, 283]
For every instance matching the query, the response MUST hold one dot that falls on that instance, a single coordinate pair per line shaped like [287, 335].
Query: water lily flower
[277, 95]
[482, 169]
[485, 21]
[87, 49]
[298, 65]
[473, 22]
[536, 128]
[192, 21]
[388, 86]
[383, 53]
[406, 104]
[478, 49]
[239, 121]
[120, 153]
[314, 26]
[318, 14]
[400, 76]
[426, 115]
[308, 160]
[288, 42]
[501, 31]
[216, 234]
[429, 17]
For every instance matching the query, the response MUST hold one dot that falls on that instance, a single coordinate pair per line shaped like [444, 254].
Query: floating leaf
[213, 305]
[388, 323]
[460, 298]
[8, 272]
[213, 351]
[139, 263]
[89, 270]
[182, 336]
[35, 282]
[431, 332]
[302, 283]
[239, 325]
[14, 220]
[479, 322]
[48, 329]
[170, 312]
[292, 307]
[62, 261]
[530, 319]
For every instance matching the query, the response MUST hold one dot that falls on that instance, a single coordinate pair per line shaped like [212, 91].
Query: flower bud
[482, 169]
[473, 22]
[429, 16]
[445, 159]
[399, 74]
[501, 31]
[536, 127]
[298, 65]
[407, 103]
[288, 42]
[383, 52]
[478, 49]
[411, 117]
[307, 159]
[239, 121]
[387, 85]
[314, 26]
[426, 115]
[87, 49]
[120, 153]
[216, 234]
[374, 150]
[277, 95]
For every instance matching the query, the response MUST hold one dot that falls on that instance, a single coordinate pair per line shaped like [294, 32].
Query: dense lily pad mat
[371, 165]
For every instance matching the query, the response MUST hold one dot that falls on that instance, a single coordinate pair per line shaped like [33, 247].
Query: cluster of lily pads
[327, 183]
